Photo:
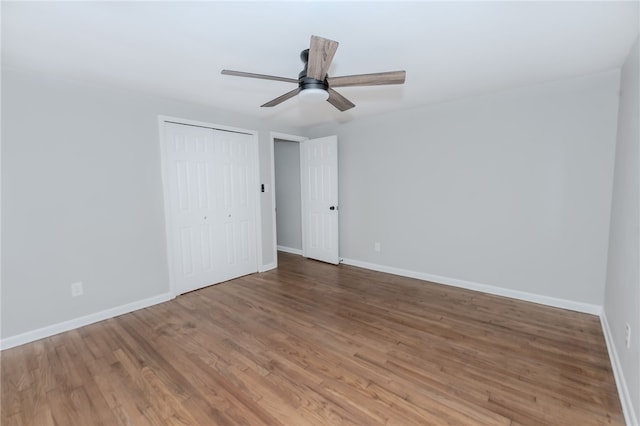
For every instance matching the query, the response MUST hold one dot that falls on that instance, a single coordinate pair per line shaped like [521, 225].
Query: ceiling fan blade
[339, 101]
[281, 99]
[261, 76]
[321, 54]
[375, 79]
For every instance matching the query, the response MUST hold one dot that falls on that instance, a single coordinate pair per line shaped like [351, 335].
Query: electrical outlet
[377, 247]
[77, 289]
[627, 335]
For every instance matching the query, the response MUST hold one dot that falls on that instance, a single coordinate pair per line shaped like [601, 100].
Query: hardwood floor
[317, 344]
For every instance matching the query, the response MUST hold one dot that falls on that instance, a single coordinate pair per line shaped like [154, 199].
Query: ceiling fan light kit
[315, 85]
[313, 95]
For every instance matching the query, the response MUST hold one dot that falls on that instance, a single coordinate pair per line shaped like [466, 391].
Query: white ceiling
[449, 49]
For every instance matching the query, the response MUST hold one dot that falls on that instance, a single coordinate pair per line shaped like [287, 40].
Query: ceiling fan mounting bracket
[304, 57]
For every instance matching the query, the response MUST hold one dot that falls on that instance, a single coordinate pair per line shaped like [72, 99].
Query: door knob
[332, 208]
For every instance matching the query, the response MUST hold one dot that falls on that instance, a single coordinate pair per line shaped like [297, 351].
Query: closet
[211, 191]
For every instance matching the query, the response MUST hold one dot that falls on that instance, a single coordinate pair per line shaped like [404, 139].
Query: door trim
[168, 219]
[291, 138]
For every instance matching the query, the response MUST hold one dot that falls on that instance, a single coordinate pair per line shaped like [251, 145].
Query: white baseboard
[268, 267]
[623, 391]
[41, 333]
[485, 288]
[290, 250]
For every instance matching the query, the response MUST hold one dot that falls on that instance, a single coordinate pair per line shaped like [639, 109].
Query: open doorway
[287, 219]
[305, 196]
[286, 157]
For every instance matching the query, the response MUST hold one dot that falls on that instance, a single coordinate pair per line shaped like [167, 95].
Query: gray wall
[511, 189]
[82, 197]
[288, 196]
[622, 291]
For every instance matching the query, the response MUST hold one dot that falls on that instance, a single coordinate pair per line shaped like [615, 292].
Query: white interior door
[210, 220]
[319, 182]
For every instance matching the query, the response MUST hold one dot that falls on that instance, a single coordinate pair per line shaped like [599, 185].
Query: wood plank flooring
[316, 344]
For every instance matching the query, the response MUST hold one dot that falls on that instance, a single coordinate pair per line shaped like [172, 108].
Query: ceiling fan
[315, 84]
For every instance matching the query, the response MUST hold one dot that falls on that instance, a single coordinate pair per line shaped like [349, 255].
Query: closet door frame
[253, 183]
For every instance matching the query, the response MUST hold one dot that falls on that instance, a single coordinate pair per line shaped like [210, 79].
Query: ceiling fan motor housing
[311, 83]
[305, 82]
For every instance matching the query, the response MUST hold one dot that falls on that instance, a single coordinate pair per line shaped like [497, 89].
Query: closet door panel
[211, 213]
